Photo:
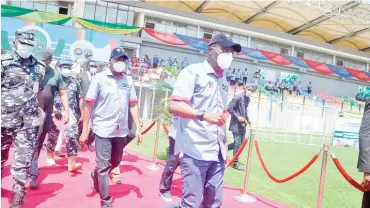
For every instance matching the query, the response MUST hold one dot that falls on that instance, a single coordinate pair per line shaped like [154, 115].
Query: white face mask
[93, 70]
[24, 51]
[224, 60]
[119, 66]
[66, 72]
[248, 93]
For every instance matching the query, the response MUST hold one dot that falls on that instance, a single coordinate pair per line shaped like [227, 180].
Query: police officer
[53, 81]
[199, 100]
[75, 101]
[21, 85]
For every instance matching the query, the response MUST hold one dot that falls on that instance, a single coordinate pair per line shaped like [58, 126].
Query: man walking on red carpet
[110, 96]
[199, 100]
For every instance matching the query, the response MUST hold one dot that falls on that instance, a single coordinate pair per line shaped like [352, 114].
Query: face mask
[119, 66]
[224, 60]
[66, 72]
[24, 51]
[248, 93]
[93, 70]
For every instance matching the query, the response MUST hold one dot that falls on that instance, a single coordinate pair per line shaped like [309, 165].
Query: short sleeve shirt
[199, 86]
[53, 82]
[111, 97]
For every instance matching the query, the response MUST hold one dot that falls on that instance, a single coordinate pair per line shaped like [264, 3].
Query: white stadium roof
[341, 22]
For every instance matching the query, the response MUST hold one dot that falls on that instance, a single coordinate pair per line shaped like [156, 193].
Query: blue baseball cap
[65, 63]
[118, 52]
[225, 41]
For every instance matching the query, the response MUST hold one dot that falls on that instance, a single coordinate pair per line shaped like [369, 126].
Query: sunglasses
[93, 66]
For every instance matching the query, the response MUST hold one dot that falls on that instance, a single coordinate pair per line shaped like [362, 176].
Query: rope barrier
[165, 129]
[148, 128]
[236, 156]
[344, 173]
[308, 165]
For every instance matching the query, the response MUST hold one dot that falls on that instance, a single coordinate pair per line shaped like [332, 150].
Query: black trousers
[366, 200]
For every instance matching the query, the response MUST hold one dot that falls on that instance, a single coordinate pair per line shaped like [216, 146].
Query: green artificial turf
[284, 159]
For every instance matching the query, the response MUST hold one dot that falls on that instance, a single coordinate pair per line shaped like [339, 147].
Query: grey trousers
[172, 163]
[202, 183]
[109, 153]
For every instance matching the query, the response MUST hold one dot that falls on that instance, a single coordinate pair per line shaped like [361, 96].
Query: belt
[8, 109]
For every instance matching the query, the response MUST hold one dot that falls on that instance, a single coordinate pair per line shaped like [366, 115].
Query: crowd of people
[40, 101]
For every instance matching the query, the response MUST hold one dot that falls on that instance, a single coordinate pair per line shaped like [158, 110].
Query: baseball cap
[117, 53]
[26, 37]
[44, 54]
[65, 63]
[225, 41]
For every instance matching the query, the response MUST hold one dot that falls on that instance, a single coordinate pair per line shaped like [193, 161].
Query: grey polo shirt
[111, 98]
[199, 86]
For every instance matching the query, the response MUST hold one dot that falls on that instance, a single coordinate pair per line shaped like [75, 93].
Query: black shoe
[238, 167]
[94, 178]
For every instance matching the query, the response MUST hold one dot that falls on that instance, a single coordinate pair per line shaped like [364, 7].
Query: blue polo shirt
[199, 86]
[111, 97]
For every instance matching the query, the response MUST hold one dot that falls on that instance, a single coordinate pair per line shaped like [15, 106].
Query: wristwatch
[200, 115]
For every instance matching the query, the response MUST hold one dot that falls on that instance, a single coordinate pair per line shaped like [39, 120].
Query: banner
[346, 132]
[288, 77]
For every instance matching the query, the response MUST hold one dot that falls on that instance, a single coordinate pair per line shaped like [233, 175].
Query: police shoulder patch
[6, 59]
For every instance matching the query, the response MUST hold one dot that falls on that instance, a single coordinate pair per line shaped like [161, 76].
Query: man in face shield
[21, 86]
[199, 100]
[85, 79]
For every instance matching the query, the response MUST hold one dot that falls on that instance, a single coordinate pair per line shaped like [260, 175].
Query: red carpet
[59, 188]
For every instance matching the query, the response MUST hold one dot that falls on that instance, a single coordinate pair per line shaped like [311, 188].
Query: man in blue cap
[109, 100]
[199, 100]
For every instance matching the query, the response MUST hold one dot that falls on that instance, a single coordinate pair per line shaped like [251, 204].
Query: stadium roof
[344, 23]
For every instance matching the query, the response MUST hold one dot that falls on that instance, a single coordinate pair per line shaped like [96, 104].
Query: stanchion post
[244, 196]
[322, 176]
[154, 166]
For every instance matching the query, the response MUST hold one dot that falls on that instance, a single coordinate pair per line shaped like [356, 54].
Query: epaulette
[40, 67]
[6, 59]
[39, 62]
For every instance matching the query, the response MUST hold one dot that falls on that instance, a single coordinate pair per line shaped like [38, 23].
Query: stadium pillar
[154, 166]
[244, 196]
[322, 176]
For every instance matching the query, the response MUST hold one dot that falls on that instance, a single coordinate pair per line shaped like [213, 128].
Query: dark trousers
[172, 163]
[25, 141]
[34, 172]
[109, 153]
[245, 80]
[238, 140]
[366, 200]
